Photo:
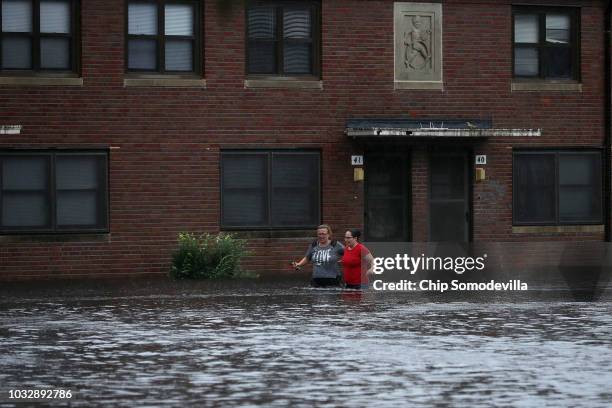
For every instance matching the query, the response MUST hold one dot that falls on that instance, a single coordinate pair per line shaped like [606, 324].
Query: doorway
[449, 206]
[387, 192]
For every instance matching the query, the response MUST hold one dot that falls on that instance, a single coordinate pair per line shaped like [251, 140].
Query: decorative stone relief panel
[418, 45]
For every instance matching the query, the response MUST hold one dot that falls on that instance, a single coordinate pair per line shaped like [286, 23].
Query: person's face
[323, 234]
[349, 239]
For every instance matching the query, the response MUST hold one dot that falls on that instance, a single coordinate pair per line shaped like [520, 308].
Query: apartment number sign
[481, 159]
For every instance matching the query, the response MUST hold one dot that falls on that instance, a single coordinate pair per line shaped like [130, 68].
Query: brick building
[126, 122]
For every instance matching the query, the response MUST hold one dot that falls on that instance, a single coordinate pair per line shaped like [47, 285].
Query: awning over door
[409, 128]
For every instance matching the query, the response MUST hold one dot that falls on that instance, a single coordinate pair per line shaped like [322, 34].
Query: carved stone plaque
[418, 45]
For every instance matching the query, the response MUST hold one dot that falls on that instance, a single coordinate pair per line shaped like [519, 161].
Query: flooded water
[160, 343]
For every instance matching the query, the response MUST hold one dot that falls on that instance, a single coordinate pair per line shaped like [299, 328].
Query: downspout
[607, 126]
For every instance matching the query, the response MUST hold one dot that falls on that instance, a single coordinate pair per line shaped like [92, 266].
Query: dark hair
[355, 233]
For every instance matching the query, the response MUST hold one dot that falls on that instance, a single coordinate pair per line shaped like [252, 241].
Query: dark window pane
[142, 54]
[448, 221]
[55, 16]
[55, 53]
[16, 53]
[385, 219]
[261, 58]
[179, 55]
[25, 209]
[244, 171]
[534, 187]
[296, 23]
[25, 173]
[578, 204]
[76, 173]
[16, 16]
[580, 187]
[262, 23]
[295, 189]
[380, 176]
[142, 18]
[297, 58]
[578, 169]
[77, 208]
[244, 189]
[244, 208]
[557, 62]
[448, 177]
[526, 61]
[179, 19]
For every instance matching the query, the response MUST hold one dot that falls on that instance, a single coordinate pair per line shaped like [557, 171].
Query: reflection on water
[278, 344]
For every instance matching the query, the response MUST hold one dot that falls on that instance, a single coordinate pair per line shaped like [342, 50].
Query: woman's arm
[369, 263]
[300, 263]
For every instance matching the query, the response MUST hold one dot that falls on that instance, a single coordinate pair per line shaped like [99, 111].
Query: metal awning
[453, 128]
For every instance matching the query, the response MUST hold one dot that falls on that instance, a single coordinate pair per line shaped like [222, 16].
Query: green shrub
[208, 256]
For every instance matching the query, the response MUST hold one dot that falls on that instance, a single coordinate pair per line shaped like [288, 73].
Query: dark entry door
[449, 215]
[387, 191]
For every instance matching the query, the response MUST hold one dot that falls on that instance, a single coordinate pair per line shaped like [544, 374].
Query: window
[273, 189]
[163, 36]
[555, 188]
[546, 43]
[53, 192]
[39, 35]
[283, 38]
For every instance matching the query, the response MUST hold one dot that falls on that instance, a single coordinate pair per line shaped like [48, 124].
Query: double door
[388, 197]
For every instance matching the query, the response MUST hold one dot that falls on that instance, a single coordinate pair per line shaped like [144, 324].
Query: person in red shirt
[357, 261]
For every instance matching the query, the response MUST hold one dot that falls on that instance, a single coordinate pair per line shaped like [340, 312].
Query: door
[449, 211]
[387, 192]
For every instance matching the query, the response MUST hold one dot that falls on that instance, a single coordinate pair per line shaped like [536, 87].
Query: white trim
[10, 129]
[443, 132]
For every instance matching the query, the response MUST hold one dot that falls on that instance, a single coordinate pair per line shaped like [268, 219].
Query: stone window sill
[423, 85]
[72, 237]
[164, 81]
[272, 234]
[282, 83]
[40, 81]
[557, 229]
[567, 86]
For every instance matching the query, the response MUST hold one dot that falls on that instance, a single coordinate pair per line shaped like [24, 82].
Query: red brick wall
[164, 175]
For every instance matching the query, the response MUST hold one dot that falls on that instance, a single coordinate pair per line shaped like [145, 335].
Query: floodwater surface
[161, 343]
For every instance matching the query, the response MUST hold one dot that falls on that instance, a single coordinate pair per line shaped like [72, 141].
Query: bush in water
[208, 256]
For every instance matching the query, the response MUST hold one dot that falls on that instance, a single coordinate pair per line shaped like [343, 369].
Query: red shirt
[354, 265]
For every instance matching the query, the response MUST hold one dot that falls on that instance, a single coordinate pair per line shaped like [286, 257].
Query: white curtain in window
[262, 23]
[179, 19]
[525, 28]
[55, 16]
[142, 19]
[16, 16]
[526, 61]
[179, 55]
[557, 28]
[296, 23]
